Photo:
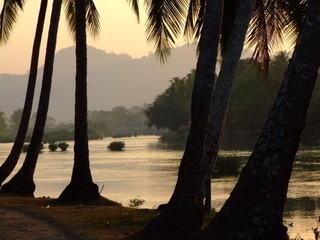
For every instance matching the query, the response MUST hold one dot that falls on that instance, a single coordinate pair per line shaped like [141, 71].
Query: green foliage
[119, 120]
[227, 165]
[116, 146]
[58, 135]
[171, 109]
[3, 127]
[136, 202]
[25, 147]
[15, 119]
[53, 146]
[63, 146]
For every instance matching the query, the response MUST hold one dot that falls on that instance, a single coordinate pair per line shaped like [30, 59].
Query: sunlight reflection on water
[149, 170]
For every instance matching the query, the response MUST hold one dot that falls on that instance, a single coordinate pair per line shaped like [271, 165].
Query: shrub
[53, 146]
[227, 165]
[116, 146]
[136, 202]
[63, 146]
[25, 147]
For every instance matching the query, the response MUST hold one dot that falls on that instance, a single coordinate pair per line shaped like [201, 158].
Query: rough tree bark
[255, 207]
[183, 214]
[22, 183]
[81, 186]
[12, 159]
[222, 92]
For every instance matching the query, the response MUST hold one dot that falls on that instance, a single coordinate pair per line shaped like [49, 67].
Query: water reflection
[149, 169]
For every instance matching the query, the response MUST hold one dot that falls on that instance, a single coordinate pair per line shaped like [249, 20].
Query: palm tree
[22, 183]
[12, 159]
[81, 186]
[8, 17]
[255, 207]
[9, 164]
[231, 55]
[183, 213]
[268, 20]
[231, 52]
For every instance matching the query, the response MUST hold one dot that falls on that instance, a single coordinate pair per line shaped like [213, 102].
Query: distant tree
[15, 119]
[171, 109]
[3, 125]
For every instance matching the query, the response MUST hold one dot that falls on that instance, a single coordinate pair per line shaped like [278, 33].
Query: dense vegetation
[170, 112]
[252, 97]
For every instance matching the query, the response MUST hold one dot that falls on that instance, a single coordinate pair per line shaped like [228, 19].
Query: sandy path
[15, 225]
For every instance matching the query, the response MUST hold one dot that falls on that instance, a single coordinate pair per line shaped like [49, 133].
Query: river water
[148, 170]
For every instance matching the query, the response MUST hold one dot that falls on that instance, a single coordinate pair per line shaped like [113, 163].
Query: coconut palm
[183, 213]
[255, 207]
[8, 17]
[12, 159]
[82, 186]
[9, 164]
[232, 49]
[22, 183]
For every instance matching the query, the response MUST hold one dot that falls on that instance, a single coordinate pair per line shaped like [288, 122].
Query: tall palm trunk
[222, 91]
[22, 183]
[11, 161]
[255, 207]
[183, 214]
[81, 186]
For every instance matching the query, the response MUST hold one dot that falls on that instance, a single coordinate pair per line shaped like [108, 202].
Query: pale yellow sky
[120, 33]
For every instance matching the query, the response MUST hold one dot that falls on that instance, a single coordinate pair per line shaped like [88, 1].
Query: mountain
[113, 80]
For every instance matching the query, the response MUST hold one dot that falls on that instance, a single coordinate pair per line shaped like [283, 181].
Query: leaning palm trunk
[255, 207]
[222, 92]
[11, 161]
[183, 214]
[81, 186]
[22, 183]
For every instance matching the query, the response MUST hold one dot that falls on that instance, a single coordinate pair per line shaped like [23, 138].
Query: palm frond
[191, 19]
[135, 7]
[265, 31]
[8, 18]
[164, 23]
[92, 17]
[295, 12]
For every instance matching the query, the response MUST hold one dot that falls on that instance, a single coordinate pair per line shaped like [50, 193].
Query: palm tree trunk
[222, 91]
[183, 214]
[11, 161]
[22, 183]
[81, 186]
[255, 207]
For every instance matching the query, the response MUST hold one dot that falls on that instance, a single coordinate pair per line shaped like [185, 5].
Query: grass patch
[102, 219]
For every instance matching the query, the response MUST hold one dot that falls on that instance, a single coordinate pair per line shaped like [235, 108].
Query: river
[148, 170]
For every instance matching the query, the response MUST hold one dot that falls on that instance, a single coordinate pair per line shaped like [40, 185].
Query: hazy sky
[120, 33]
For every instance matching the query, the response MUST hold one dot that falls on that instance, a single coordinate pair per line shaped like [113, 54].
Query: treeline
[121, 121]
[118, 122]
[252, 98]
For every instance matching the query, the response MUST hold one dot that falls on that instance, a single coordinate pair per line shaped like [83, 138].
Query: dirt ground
[15, 225]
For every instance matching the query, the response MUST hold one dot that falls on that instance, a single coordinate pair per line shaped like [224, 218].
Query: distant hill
[113, 80]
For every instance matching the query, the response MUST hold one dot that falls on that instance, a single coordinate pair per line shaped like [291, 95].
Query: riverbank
[49, 219]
